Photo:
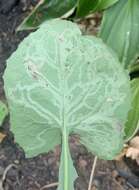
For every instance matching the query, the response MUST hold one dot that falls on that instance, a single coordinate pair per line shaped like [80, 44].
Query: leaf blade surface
[66, 83]
[120, 22]
[132, 124]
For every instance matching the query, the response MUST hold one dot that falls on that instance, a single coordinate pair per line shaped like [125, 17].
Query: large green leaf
[46, 10]
[63, 82]
[88, 6]
[120, 30]
[132, 125]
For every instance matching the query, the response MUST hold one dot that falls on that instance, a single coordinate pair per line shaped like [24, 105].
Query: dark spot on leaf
[46, 84]
[61, 39]
[70, 97]
[34, 75]
[68, 49]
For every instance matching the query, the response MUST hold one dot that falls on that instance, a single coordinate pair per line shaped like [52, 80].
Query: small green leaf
[104, 4]
[46, 10]
[120, 30]
[3, 112]
[60, 82]
[86, 7]
[132, 125]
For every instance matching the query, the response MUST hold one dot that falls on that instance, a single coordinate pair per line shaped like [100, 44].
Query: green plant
[121, 22]
[132, 124]
[120, 31]
[3, 112]
[59, 83]
[45, 10]
[49, 9]
[85, 7]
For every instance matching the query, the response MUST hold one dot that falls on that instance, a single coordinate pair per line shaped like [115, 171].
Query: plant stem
[65, 149]
[92, 173]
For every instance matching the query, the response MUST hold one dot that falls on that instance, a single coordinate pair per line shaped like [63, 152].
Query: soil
[19, 173]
